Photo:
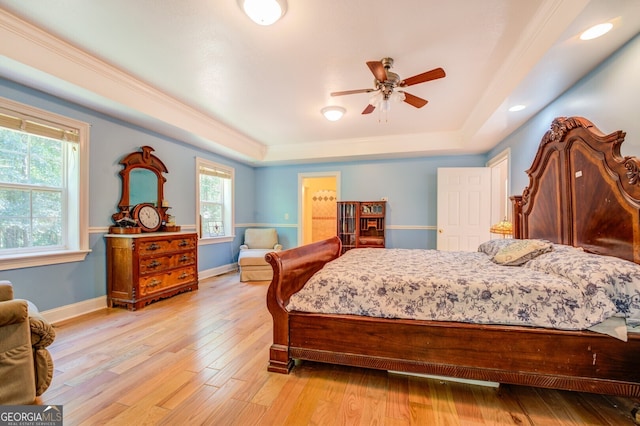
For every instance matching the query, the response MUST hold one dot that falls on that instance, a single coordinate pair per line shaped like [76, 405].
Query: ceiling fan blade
[425, 76]
[351, 92]
[414, 100]
[378, 70]
[369, 109]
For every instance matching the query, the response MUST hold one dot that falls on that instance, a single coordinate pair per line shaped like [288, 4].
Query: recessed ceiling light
[264, 12]
[516, 108]
[596, 31]
[333, 113]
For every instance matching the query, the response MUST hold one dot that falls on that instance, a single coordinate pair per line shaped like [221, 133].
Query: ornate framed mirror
[142, 191]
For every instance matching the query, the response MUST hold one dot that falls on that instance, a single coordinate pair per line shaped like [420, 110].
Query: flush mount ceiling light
[264, 12]
[516, 108]
[596, 31]
[333, 113]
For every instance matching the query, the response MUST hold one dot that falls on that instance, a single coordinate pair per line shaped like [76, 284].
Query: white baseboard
[75, 309]
[208, 273]
[86, 306]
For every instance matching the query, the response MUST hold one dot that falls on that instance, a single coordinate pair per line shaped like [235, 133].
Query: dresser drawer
[155, 283]
[150, 265]
[142, 269]
[165, 246]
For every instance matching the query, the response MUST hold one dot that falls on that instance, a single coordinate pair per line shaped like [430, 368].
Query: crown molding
[30, 46]
[541, 33]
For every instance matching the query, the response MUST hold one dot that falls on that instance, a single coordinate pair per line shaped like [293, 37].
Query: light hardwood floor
[201, 358]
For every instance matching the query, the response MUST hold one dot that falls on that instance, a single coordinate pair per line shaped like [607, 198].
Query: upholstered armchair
[26, 367]
[257, 243]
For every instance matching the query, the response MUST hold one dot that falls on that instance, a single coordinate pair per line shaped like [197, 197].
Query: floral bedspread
[450, 286]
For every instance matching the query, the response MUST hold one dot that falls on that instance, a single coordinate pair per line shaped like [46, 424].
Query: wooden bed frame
[574, 162]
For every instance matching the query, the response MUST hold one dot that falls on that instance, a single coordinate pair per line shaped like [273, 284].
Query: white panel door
[464, 207]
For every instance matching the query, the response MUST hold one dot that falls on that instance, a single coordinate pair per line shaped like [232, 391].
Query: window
[43, 187]
[215, 201]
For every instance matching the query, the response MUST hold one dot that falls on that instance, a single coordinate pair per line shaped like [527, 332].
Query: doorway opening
[500, 180]
[317, 196]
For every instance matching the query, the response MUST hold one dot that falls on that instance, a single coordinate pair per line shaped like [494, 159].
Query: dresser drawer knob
[154, 283]
[183, 276]
[153, 247]
[184, 258]
[183, 243]
[154, 264]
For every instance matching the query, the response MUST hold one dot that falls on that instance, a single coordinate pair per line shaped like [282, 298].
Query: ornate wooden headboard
[582, 192]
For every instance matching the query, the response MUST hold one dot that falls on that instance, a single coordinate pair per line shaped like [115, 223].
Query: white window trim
[226, 238]
[43, 258]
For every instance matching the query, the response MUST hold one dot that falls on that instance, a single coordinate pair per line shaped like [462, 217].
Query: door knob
[440, 231]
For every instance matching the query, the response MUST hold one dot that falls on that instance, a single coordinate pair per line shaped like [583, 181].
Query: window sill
[216, 240]
[18, 261]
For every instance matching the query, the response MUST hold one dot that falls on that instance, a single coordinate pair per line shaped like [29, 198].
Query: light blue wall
[409, 185]
[609, 97]
[54, 286]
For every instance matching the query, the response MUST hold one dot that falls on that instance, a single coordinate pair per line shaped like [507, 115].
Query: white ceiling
[201, 71]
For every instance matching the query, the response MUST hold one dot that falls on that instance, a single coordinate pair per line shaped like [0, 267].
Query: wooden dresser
[142, 268]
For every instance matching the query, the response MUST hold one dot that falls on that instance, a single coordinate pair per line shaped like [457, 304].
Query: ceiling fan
[385, 83]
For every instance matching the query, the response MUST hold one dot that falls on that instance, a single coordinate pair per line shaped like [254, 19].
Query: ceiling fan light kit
[264, 12]
[333, 113]
[385, 84]
[383, 101]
